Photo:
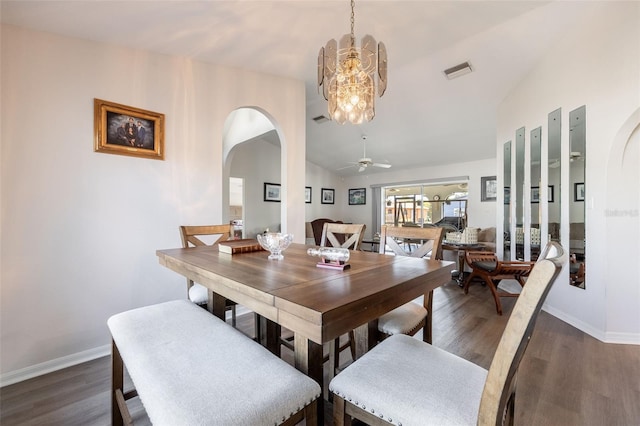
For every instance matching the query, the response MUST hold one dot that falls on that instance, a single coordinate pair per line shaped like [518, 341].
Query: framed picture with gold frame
[125, 130]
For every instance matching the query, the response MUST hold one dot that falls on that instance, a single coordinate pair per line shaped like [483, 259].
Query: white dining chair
[404, 381]
[415, 315]
[194, 236]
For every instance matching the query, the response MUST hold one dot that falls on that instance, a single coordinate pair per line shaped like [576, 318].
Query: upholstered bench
[191, 368]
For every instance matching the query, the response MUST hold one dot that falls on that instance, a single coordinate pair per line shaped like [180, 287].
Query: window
[426, 204]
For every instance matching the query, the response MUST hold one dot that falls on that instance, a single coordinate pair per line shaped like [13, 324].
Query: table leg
[217, 305]
[460, 268]
[308, 359]
[365, 336]
[270, 335]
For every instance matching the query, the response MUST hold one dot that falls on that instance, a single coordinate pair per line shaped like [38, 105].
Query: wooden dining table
[316, 304]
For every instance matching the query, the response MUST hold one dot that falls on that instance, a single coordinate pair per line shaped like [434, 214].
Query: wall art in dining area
[272, 192]
[488, 188]
[535, 194]
[125, 130]
[327, 196]
[578, 191]
[357, 196]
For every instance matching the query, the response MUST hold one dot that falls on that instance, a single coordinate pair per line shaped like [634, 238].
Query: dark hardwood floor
[566, 376]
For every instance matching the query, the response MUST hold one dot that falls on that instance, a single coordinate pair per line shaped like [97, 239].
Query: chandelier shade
[348, 76]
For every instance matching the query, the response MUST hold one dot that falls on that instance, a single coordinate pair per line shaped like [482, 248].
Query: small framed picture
[307, 194]
[327, 196]
[125, 130]
[488, 188]
[578, 191]
[535, 194]
[272, 192]
[357, 196]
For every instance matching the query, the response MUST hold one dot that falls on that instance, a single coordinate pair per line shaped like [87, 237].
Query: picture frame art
[488, 188]
[327, 196]
[357, 196]
[272, 192]
[578, 191]
[124, 130]
[307, 194]
[535, 194]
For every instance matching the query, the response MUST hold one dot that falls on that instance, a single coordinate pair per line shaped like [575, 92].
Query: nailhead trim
[363, 407]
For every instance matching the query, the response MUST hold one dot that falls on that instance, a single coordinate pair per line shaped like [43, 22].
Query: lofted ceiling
[423, 119]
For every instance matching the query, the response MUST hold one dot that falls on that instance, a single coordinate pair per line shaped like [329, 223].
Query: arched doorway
[252, 153]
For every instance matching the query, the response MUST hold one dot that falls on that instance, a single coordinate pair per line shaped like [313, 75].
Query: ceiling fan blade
[346, 167]
[384, 166]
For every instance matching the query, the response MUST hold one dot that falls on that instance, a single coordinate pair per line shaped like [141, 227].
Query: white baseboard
[623, 338]
[606, 337]
[55, 364]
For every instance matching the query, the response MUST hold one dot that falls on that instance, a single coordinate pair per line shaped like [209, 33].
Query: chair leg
[352, 344]
[427, 329]
[233, 315]
[336, 354]
[511, 410]
[340, 417]
[257, 328]
[117, 383]
[493, 287]
[471, 276]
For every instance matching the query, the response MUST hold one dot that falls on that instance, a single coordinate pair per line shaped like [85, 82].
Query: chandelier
[347, 76]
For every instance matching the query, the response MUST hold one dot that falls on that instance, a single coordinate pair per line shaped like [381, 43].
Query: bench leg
[117, 382]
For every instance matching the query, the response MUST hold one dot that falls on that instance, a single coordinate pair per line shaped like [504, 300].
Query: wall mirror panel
[536, 190]
[507, 200]
[523, 224]
[554, 169]
[519, 194]
[577, 158]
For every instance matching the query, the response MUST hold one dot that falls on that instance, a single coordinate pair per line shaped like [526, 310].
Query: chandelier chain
[353, 20]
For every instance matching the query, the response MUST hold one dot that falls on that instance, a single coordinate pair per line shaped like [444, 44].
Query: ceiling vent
[320, 119]
[458, 70]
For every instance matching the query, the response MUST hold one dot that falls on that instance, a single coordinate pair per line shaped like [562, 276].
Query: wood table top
[319, 303]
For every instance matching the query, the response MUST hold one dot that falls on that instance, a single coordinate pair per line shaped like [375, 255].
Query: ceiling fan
[365, 161]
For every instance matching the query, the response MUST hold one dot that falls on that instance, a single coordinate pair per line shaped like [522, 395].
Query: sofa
[487, 238]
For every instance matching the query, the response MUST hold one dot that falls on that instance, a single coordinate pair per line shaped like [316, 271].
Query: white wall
[318, 178]
[597, 65]
[257, 162]
[479, 214]
[79, 228]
